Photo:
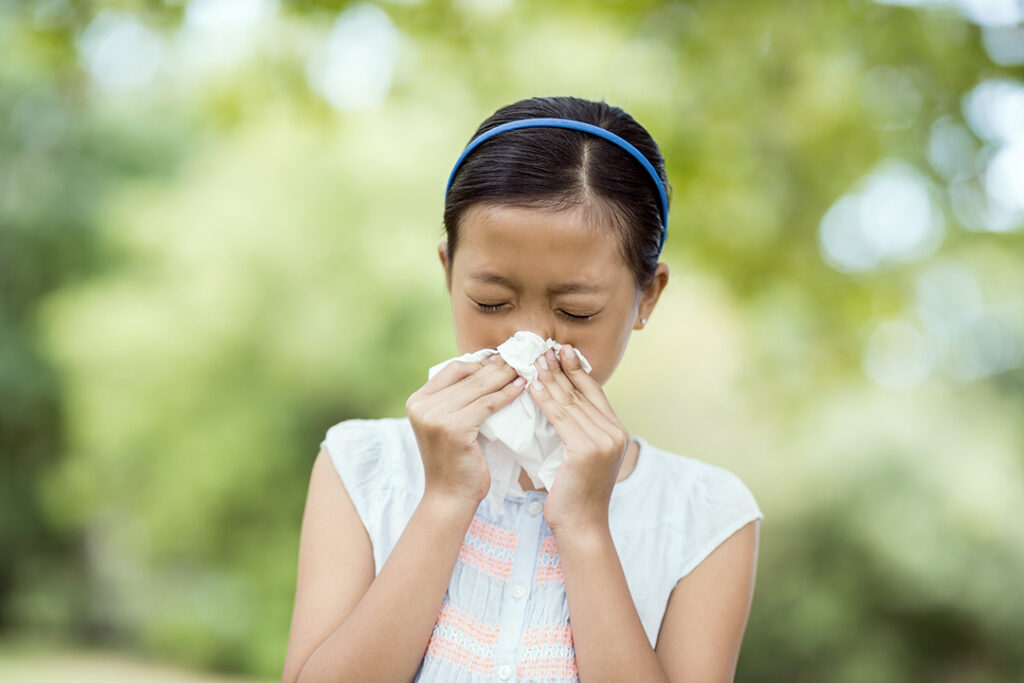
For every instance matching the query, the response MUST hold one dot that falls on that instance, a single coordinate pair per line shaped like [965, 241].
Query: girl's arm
[703, 625]
[707, 612]
[348, 625]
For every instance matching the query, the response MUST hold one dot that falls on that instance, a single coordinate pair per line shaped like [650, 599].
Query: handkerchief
[518, 436]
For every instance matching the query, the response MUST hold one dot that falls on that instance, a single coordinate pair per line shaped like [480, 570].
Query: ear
[649, 295]
[442, 253]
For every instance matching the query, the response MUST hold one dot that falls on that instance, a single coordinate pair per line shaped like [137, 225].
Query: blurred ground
[22, 662]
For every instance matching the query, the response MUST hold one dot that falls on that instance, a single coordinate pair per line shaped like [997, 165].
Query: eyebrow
[564, 288]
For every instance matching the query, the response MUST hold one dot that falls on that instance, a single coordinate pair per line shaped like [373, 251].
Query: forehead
[564, 245]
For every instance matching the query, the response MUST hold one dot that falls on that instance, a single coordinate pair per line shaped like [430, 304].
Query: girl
[637, 565]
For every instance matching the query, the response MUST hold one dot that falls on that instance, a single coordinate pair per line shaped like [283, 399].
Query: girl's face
[549, 272]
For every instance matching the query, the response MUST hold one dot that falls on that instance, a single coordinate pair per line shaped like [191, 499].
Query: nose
[541, 323]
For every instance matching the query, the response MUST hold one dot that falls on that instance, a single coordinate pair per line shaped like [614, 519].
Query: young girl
[638, 564]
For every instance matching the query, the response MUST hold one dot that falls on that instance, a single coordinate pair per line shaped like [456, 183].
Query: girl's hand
[446, 414]
[594, 442]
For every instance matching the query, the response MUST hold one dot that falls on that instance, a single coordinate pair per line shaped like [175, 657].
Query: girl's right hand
[446, 414]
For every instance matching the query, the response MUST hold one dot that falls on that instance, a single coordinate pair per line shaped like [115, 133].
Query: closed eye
[571, 317]
[488, 307]
[577, 318]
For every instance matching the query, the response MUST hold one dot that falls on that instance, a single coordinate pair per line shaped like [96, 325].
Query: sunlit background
[218, 223]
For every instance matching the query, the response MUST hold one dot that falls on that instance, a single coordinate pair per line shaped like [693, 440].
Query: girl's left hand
[594, 442]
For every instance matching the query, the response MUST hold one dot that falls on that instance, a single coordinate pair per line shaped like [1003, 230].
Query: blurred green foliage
[218, 225]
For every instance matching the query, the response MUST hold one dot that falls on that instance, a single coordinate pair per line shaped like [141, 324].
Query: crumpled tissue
[518, 436]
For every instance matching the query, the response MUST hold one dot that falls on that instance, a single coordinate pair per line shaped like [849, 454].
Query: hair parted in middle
[560, 169]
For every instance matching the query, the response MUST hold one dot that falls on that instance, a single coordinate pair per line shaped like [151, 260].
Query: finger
[591, 421]
[566, 393]
[581, 379]
[585, 429]
[556, 377]
[483, 407]
[489, 379]
[453, 372]
[566, 424]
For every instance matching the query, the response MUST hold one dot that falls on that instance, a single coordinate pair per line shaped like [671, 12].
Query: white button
[505, 672]
[536, 507]
[519, 591]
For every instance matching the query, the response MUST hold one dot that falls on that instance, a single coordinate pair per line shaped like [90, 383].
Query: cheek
[603, 364]
[473, 332]
[606, 352]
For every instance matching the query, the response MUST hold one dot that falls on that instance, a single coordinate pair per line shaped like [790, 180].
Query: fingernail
[542, 361]
[519, 381]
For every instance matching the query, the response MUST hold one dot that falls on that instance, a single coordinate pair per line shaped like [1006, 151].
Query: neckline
[631, 482]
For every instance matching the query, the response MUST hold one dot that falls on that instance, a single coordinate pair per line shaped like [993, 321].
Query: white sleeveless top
[505, 615]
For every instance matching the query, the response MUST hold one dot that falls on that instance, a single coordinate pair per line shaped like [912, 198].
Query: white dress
[504, 615]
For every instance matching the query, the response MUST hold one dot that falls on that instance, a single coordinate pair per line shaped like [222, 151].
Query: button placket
[514, 611]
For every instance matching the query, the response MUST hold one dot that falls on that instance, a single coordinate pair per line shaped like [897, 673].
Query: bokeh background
[218, 222]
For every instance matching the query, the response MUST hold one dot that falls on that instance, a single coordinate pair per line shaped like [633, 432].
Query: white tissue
[518, 436]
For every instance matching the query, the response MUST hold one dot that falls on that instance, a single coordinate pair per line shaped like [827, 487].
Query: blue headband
[575, 125]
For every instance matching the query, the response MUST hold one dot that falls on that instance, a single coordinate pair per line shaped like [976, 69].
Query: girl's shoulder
[662, 472]
[678, 473]
[666, 517]
[695, 504]
[380, 467]
[375, 454]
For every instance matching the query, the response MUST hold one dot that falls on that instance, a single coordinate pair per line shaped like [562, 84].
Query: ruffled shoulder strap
[380, 467]
[696, 505]
[719, 505]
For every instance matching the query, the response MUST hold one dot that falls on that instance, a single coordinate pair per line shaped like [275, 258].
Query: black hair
[558, 169]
